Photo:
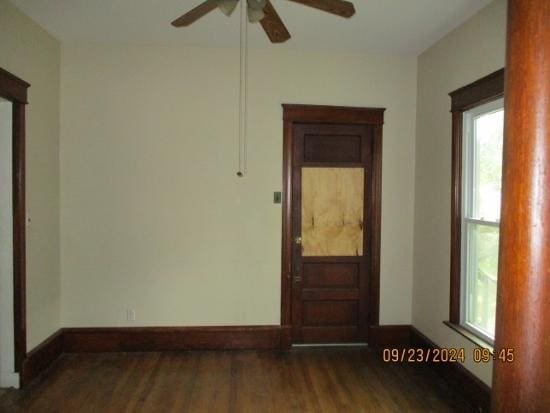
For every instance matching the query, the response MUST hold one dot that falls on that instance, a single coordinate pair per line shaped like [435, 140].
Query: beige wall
[153, 216]
[465, 55]
[32, 54]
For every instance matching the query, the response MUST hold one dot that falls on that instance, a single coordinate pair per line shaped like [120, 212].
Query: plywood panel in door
[332, 212]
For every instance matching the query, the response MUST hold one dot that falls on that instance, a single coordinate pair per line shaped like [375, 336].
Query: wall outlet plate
[130, 315]
[276, 197]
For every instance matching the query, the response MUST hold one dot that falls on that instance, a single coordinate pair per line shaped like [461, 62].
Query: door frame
[14, 90]
[292, 114]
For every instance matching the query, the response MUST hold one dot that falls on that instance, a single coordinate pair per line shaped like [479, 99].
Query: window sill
[470, 336]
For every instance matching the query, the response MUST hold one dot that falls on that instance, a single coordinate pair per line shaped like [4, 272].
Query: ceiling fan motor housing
[255, 8]
[227, 7]
[262, 11]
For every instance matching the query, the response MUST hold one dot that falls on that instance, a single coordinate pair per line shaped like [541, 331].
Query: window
[481, 181]
[478, 123]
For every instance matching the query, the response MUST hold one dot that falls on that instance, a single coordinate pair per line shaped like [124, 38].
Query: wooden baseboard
[87, 340]
[90, 340]
[41, 357]
[472, 389]
[395, 336]
[286, 337]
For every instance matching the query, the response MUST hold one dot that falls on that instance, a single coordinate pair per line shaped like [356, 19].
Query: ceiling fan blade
[339, 7]
[195, 14]
[273, 25]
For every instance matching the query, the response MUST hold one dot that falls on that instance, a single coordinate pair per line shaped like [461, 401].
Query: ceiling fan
[262, 11]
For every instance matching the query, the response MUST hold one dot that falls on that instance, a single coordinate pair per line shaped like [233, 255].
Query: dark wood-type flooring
[301, 380]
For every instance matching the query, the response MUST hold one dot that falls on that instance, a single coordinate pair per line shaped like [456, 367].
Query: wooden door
[332, 223]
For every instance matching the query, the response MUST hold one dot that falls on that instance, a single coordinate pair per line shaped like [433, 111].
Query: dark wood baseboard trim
[472, 389]
[89, 340]
[395, 336]
[106, 339]
[286, 337]
[40, 358]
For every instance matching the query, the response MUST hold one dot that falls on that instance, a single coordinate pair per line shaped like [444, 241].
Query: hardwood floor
[301, 380]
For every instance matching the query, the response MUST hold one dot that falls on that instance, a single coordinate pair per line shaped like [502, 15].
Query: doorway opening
[13, 98]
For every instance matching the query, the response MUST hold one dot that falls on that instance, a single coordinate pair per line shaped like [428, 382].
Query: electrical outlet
[130, 315]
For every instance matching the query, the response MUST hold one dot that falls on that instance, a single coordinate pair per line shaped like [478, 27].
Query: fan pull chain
[243, 92]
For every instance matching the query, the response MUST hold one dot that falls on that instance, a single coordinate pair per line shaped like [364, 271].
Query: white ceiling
[388, 26]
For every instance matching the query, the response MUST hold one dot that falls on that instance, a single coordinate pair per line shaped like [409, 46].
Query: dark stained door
[331, 249]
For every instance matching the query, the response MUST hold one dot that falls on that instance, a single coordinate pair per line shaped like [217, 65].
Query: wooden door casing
[335, 298]
[14, 90]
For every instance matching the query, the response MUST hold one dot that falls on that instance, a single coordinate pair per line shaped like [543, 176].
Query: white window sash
[482, 222]
[468, 201]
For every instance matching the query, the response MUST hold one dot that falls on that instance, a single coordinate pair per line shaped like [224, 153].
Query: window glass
[488, 130]
[482, 175]
[482, 277]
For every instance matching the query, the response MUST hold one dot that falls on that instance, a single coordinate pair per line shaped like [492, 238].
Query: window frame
[468, 202]
[485, 90]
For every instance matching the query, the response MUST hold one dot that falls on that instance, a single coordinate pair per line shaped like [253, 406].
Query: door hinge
[297, 278]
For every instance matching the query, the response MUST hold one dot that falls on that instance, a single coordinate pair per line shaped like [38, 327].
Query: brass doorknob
[298, 240]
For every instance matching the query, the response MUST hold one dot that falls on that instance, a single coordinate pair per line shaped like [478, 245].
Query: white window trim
[467, 206]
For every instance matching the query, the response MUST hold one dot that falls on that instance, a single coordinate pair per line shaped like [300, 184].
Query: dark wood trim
[41, 358]
[376, 228]
[286, 247]
[12, 88]
[116, 339]
[523, 285]
[19, 234]
[456, 218]
[125, 339]
[89, 340]
[15, 90]
[473, 389]
[481, 91]
[331, 114]
[389, 336]
[477, 393]
[286, 337]
[486, 89]
[306, 380]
